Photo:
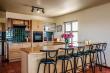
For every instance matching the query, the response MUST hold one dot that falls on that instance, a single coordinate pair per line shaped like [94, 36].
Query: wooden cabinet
[23, 28]
[37, 25]
[0, 27]
[15, 51]
[14, 55]
[2, 17]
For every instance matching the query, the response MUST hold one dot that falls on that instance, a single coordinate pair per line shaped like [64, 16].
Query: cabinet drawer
[14, 50]
[14, 55]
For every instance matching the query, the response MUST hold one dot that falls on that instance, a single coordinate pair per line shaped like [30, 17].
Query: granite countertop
[48, 46]
[31, 50]
[37, 49]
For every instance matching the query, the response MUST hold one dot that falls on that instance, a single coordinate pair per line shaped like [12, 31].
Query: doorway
[2, 40]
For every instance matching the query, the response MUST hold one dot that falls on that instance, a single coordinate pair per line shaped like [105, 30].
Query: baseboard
[104, 66]
[89, 67]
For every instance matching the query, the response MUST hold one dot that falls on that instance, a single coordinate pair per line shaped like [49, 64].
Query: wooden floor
[15, 67]
[10, 68]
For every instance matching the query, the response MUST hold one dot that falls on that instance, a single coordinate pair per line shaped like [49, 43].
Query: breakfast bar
[32, 56]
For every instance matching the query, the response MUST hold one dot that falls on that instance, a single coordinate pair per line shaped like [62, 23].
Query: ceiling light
[38, 9]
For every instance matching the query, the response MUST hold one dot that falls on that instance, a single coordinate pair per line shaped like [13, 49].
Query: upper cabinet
[18, 30]
[37, 25]
[2, 17]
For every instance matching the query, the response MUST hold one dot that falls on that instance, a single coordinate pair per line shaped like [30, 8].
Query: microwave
[37, 36]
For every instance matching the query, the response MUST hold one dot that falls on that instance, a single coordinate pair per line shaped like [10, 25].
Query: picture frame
[59, 28]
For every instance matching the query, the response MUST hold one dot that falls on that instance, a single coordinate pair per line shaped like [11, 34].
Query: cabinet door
[37, 25]
[14, 54]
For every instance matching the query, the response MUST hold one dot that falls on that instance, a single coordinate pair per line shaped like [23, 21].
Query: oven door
[37, 36]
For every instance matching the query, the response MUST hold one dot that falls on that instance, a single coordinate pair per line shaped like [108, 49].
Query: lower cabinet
[14, 55]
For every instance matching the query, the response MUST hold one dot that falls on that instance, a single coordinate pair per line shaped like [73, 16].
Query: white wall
[94, 24]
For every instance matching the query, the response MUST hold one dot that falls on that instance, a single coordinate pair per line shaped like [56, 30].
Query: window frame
[71, 31]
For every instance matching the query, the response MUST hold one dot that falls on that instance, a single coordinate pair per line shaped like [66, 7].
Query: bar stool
[90, 52]
[76, 55]
[93, 56]
[64, 58]
[85, 53]
[49, 59]
[101, 51]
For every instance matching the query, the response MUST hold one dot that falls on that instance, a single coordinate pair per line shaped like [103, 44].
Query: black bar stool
[64, 58]
[84, 52]
[76, 55]
[93, 56]
[101, 51]
[49, 59]
[88, 51]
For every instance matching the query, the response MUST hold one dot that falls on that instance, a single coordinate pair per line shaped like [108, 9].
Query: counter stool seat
[48, 61]
[92, 51]
[63, 57]
[76, 54]
[84, 52]
[99, 50]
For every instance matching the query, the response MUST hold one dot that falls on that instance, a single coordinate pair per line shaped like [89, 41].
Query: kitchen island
[30, 58]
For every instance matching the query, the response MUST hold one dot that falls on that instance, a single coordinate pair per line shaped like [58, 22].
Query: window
[72, 26]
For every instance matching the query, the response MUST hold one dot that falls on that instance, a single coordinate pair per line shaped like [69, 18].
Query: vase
[66, 43]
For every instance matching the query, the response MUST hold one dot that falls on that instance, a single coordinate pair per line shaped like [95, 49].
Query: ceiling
[52, 7]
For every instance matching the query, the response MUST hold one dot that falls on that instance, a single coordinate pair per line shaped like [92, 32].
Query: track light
[38, 9]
